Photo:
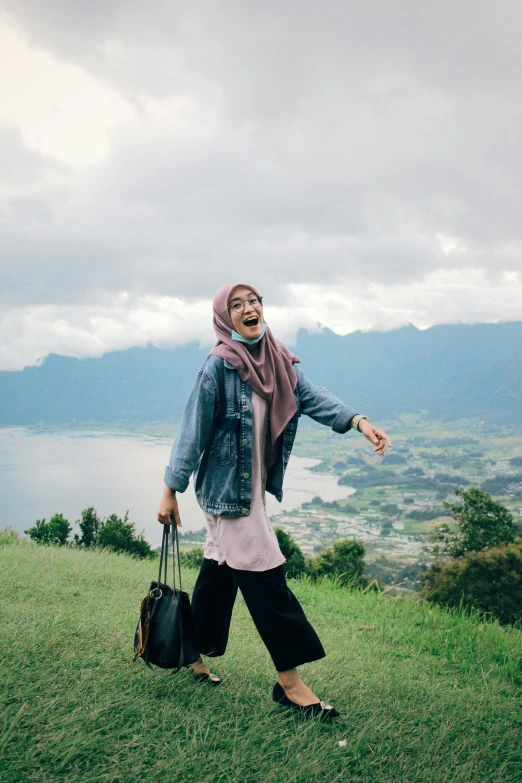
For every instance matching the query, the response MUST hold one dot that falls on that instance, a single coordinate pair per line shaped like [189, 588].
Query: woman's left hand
[375, 435]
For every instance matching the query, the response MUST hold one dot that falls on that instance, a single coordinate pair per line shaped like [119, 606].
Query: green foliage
[120, 536]
[390, 508]
[112, 533]
[56, 531]
[344, 562]
[89, 525]
[295, 564]
[193, 558]
[489, 581]
[8, 536]
[481, 523]
[516, 462]
[415, 472]
[501, 484]
[448, 478]
[424, 515]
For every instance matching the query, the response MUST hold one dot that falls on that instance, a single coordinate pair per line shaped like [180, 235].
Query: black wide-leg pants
[276, 612]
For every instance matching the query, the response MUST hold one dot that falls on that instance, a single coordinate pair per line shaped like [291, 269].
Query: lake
[44, 473]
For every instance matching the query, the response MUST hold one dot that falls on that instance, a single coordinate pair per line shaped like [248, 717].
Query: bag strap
[174, 533]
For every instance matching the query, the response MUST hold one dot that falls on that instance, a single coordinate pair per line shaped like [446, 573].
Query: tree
[89, 525]
[56, 531]
[295, 561]
[120, 535]
[489, 581]
[481, 523]
[345, 560]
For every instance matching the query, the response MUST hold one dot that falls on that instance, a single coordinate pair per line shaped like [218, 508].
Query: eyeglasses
[237, 307]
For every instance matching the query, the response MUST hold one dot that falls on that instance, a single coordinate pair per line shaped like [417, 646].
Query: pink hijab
[267, 366]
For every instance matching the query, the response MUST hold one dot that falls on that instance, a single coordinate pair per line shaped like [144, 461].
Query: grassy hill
[425, 695]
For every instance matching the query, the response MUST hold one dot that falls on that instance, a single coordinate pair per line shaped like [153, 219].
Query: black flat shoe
[213, 679]
[319, 709]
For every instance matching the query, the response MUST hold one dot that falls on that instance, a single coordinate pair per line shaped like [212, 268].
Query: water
[42, 474]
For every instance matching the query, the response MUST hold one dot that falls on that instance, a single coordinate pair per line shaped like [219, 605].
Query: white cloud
[62, 111]
[360, 163]
[114, 323]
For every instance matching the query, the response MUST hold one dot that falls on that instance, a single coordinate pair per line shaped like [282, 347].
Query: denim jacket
[214, 438]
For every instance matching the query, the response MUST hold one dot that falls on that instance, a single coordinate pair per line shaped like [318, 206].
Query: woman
[235, 436]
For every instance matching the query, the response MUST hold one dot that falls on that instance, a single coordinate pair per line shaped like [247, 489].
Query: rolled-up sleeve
[193, 434]
[323, 406]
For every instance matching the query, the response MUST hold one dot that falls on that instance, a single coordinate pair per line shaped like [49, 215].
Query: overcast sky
[360, 163]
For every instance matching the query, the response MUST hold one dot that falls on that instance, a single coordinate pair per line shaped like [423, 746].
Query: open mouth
[253, 321]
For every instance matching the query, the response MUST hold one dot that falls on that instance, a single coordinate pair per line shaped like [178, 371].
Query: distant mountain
[450, 371]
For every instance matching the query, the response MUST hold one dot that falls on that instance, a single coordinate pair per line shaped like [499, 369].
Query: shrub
[89, 525]
[344, 561]
[295, 561]
[193, 558]
[489, 581]
[120, 536]
[8, 536]
[56, 531]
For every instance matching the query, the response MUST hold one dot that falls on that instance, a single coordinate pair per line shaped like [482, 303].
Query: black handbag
[166, 635]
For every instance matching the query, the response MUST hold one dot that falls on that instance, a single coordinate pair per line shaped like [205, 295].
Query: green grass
[425, 695]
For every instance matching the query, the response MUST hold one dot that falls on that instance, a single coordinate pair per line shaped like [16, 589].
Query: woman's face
[248, 321]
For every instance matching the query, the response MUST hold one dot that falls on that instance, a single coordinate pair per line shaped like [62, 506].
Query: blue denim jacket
[214, 439]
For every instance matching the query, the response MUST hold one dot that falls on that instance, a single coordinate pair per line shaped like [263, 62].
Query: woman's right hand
[168, 505]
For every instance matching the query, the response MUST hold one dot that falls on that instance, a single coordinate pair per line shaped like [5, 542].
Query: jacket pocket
[224, 447]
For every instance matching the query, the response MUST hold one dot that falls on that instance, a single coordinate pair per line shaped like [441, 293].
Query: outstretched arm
[323, 406]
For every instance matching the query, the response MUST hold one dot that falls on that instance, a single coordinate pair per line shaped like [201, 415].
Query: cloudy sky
[360, 163]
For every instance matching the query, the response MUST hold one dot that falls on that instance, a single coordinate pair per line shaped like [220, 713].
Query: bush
[295, 560]
[8, 536]
[89, 525]
[489, 581]
[56, 531]
[114, 533]
[193, 558]
[120, 536]
[344, 562]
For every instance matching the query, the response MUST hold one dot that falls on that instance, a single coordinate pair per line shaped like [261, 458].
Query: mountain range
[448, 371]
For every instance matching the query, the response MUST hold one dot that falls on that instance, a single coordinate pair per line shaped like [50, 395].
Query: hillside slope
[424, 695]
[452, 372]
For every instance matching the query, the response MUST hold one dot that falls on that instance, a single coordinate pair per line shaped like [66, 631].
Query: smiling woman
[236, 436]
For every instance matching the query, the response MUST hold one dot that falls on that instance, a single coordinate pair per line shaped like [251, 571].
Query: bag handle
[171, 530]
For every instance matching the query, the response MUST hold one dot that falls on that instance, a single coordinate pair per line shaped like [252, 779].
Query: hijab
[266, 366]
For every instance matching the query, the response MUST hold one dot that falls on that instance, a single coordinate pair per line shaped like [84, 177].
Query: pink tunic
[247, 543]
